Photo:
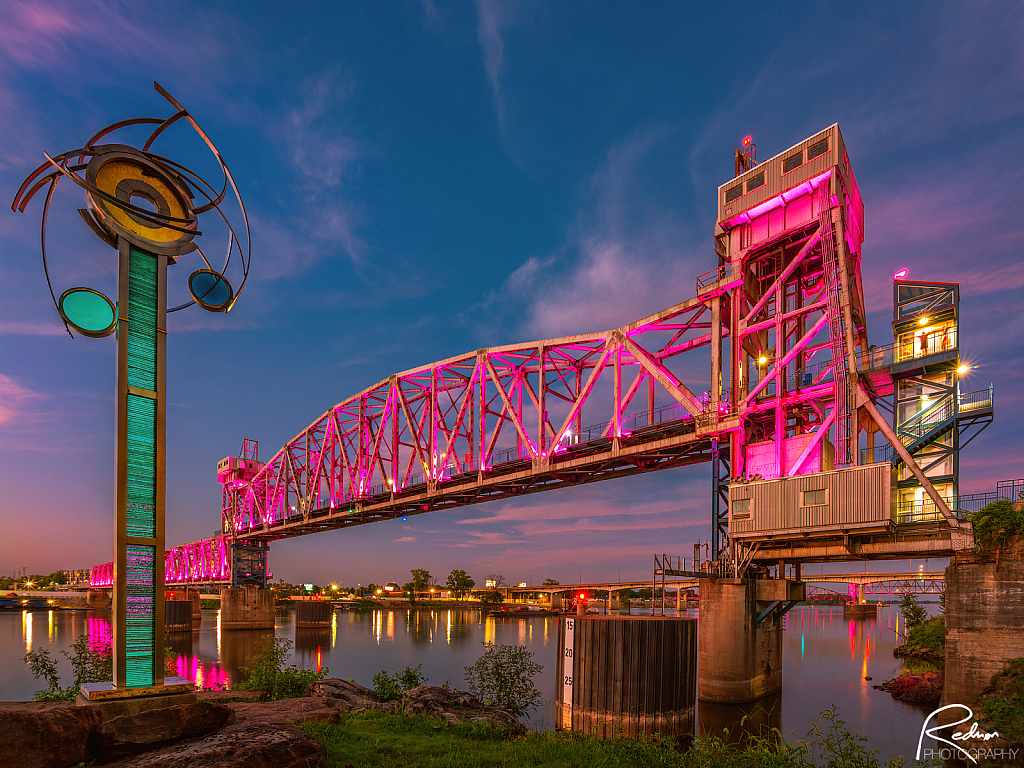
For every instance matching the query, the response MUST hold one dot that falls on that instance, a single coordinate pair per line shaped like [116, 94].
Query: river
[826, 659]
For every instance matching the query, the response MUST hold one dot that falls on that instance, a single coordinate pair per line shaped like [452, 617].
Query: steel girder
[198, 562]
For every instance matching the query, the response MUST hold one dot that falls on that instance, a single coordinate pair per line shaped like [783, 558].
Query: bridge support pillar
[247, 607]
[613, 601]
[740, 637]
[98, 599]
[556, 601]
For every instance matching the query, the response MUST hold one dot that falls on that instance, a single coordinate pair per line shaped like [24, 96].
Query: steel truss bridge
[777, 333]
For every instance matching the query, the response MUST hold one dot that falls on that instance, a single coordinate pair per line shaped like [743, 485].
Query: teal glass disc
[87, 311]
[210, 290]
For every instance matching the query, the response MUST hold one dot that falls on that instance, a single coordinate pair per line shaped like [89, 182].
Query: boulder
[37, 734]
[302, 710]
[243, 745]
[347, 694]
[458, 707]
[925, 688]
[133, 734]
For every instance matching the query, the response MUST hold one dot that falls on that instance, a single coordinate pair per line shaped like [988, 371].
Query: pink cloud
[404, 539]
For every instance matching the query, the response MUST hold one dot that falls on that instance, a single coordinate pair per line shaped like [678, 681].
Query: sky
[428, 178]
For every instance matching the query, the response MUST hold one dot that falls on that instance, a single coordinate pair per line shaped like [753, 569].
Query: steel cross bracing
[500, 422]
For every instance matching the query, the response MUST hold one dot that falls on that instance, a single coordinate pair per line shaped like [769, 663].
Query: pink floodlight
[899, 275]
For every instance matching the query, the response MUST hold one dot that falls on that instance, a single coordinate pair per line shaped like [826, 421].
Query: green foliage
[996, 523]
[1002, 702]
[374, 737]
[90, 665]
[492, 597]
[421, 579]
[410, 591]
[503, 676]
[551, 583]
[266, 671]
[391, 687]
[930, 634]
[914, 614]
[460, 582]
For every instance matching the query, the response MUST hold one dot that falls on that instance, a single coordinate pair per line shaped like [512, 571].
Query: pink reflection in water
[101, 634]
[203, 674]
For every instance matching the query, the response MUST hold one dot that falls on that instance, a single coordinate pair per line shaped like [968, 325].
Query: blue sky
[427, 178]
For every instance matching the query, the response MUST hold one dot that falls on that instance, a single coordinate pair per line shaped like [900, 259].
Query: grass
[376, 738]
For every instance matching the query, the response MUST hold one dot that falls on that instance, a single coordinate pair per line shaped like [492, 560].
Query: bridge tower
[789, 233]
[248, 557]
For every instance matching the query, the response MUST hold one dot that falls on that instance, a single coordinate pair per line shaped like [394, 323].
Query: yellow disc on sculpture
[113, 173]
[125, 179]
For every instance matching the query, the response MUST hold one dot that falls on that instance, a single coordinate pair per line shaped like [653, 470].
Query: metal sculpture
[115, 177]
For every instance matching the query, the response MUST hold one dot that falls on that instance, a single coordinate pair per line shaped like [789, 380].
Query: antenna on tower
[745, 156]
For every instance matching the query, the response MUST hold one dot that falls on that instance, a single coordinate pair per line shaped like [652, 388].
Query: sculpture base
[114, 702]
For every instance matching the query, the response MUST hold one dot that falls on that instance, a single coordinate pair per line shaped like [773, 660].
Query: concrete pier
[984, 616]
[98, 599]
[246, 607]
[740, 659]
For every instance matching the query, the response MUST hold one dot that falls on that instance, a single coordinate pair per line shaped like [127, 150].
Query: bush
[503, 676]
[996, 523]
[266, 671]
[1002, 702]
[391, 687]
[930, 634]
[90, 665]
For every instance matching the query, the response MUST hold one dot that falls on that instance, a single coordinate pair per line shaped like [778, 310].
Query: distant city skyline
[427, 178]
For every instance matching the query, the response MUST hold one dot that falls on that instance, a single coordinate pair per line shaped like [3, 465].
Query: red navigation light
[746, 141]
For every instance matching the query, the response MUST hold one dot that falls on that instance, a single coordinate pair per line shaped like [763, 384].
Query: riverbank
[375, 738]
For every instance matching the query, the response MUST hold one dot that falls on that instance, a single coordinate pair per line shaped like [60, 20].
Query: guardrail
[902, 351]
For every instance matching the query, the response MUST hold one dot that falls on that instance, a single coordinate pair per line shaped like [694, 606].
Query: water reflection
[739, 723]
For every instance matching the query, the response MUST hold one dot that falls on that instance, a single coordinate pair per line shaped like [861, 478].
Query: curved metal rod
[189, 174]
[42, 246]
[41, 183]
[121, 124]
[32, 176]
[161, 128]
[227, 174]
[158, 219]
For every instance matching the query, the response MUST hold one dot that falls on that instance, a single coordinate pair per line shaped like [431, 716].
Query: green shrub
[503, 676]
[266, 671]
[996, 523]
[391, 687]
[931, 635]
[1002, 702]
[90, 665]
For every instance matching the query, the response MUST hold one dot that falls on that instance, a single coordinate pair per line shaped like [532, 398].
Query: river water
[826, 659]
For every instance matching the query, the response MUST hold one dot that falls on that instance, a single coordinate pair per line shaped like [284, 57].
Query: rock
[243, 745]
[925, 688]
[133, 734]
[347, 694]
[36, 734]
[308, 709]
[458, 707]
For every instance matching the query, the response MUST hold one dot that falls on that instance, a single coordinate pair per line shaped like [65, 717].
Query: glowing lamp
[899, 275]
[923, 321]
[746, 141]
[762, 360]
[404, 518]
[963, 369]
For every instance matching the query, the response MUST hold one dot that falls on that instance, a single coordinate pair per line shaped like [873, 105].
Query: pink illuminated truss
[500, 422]
[199, 562]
